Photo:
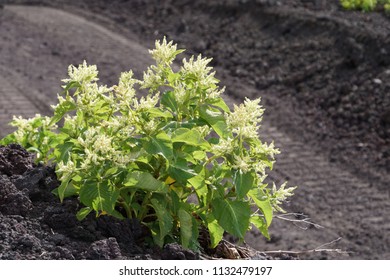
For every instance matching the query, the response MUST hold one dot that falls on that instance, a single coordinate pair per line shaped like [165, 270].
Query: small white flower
[204, 130]
[19, 136]
[125, 124]
[22, 123]
[260, 167]
[152, 79]
[61, 100]
[180, 93]
[150, 126]
[146, 103]
[215, 93]
[70, 122]
[125, 89]
[268, 149]
[224, 147]
[122, 159]
[241, 164]
[92, 158]
[46, 122]
[102, 144]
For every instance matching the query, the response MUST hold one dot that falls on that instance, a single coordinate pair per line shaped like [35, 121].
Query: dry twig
[298, 220]
[319, 249]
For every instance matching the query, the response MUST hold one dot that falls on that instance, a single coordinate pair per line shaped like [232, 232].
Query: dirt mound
[35, 225]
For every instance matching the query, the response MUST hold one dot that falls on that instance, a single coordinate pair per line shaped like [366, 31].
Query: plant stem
[127, 209]
[144, 207]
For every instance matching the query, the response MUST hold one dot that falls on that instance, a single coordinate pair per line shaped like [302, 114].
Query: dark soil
[323, 75]
[34, 225]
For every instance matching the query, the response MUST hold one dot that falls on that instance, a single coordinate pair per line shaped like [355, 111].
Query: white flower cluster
[65, 170]
[24, 124]
[194, 69]
[268, 149]
[224, 147]
[62, 103]
[280, 195]
[91, 97]
[213, 93]
[83, 73]
[204, 130]
[146, 103]
[28, 126]
[71, 122]
[96, 146]
[122, 124]
[245, 119]
[152, 79]
[89, 94]
[164, 53]
[198, 68]
[99, 147]
[242, 163]
[180, 93]
[125, 90]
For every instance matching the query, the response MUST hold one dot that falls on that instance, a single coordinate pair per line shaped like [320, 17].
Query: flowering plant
[365, 5]
[176, 158]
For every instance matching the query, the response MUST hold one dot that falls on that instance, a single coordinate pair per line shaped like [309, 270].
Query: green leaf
[145, 181]
[159, 144]
[10, 138]
[199, 155]
[189, 137]
[61, 110]
[99, 196]
[185, 220]
[215, 230]
[164, 218]
[83, 212]
[175, 203]
[173, 125]
[66, 189]
[111, 171]
[156, 112]
[168, 100]
[70, 85]
[262, 201]
[117, 215]
[65, 150]
[215, 119]
[180, 170]
[243, 183]
[143, 164]
[233, 216]
[173, 77]
[220, 103]
[261, 224]
[199, 184]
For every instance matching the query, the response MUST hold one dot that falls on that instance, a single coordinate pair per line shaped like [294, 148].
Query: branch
[305, 221]
[319, 249]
